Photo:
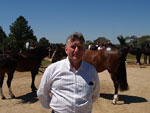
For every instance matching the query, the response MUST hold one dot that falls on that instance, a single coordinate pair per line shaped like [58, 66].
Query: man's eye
[79, 47]
[73, 47]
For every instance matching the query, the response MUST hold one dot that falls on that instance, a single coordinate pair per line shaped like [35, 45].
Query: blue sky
[57, 19]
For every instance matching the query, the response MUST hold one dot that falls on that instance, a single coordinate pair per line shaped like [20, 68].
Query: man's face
[75, 50]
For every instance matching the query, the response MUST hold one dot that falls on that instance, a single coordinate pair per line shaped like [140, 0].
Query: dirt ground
[135, 100]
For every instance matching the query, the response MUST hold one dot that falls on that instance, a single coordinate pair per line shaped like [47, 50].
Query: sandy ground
[135, 100]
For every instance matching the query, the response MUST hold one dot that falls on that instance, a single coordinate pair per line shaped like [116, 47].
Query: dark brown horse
[29, 60]
[111, 59]
[137, 52]
[8, 64]
[146, 52]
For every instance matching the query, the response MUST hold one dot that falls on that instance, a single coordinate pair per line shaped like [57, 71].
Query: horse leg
[33, 74]
[116, 86]
[138, 57]
[145, 59]
[1, 84]
[149, 59]
[10, 77]
[115, 98]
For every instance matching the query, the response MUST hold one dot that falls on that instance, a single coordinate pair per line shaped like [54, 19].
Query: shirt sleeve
[96, 89]
[43, 92]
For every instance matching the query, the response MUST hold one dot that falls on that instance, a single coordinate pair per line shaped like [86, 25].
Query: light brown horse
[111, 59]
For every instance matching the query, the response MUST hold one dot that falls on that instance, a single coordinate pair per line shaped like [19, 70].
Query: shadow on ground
[126, 98]
[28, 98]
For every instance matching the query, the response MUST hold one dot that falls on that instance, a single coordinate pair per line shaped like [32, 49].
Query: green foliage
[57, 45]
[144, 40]
[87, 43]
[134, 41]
[2, 35]
[133, 57]
[43, 42]
[46, 62]
[21, 32]
[130, 56]
[122, 40]
[102, 40]
[10, 44]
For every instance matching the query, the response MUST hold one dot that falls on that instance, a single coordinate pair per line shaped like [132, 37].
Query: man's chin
[76, 58]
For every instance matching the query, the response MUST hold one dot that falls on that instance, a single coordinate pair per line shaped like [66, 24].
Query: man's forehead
[77, 42]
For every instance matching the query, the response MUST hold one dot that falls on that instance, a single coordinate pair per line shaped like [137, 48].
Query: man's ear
[66, 49]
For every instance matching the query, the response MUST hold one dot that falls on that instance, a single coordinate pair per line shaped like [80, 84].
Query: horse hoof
[3, 98]
[34, 90]
[114, 103]
[13, 97]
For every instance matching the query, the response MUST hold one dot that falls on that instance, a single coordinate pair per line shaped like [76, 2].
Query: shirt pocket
[84, 90]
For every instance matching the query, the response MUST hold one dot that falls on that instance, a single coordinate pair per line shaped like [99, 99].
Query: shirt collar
[69, 65]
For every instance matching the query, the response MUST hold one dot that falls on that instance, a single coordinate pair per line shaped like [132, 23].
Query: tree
[10, 44]
[144, 40]
[21, 32]
[87, 43]
[102, 40]
[43, 42]
[3, 36]
[121, 40]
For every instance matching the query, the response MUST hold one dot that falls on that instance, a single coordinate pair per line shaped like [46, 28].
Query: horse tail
[122, 74]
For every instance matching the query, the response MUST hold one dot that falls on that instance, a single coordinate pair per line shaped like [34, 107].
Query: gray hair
[75, 36]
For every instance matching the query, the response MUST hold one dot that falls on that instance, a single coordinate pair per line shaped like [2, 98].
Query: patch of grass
[130, 56]
[46, 62]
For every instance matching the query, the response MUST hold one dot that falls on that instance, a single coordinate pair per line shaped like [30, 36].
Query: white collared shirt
[72, 92]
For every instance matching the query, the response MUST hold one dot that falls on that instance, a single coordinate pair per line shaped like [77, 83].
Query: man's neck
[75, 65]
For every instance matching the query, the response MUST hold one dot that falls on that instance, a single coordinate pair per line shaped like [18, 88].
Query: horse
[111, 59]
[137, 52]
[8, 65]
[29, 60]
[146, 52]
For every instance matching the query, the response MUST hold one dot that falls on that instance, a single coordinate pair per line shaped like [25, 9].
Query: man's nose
[76, 48]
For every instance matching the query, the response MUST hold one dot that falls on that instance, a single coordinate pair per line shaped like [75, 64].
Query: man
[27, 45]
[101, 46]
[73, 83]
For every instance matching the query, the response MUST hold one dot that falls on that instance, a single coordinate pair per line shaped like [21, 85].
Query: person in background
[89, 47]
[101, 46]
[73, 83]
[27, 45]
